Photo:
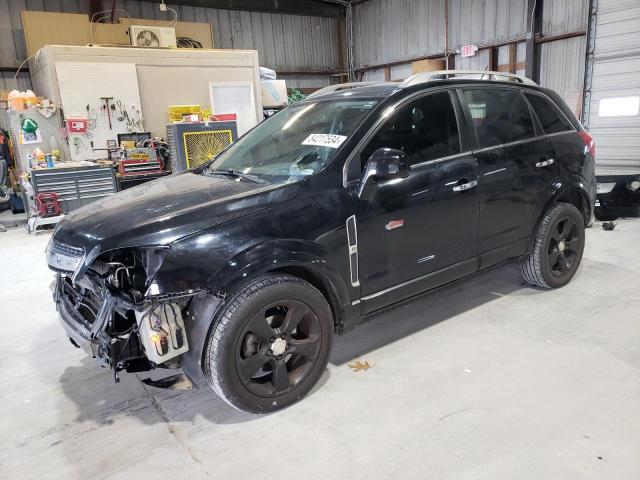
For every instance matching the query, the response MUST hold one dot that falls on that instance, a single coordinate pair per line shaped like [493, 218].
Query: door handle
[465, 186]
[545, 163]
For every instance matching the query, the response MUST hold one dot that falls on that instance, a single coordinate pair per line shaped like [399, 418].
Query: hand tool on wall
[107, 107]
[92, 116]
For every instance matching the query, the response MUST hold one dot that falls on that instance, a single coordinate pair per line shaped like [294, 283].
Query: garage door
[613, 103]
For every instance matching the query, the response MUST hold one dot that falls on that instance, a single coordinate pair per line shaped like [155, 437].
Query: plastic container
[30, 99]
[15, 99]
[40, 157]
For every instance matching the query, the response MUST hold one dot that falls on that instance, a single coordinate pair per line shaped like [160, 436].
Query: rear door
[568, 146]
[516, 167]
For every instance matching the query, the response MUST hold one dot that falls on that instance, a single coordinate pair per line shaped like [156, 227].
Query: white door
[613, 104]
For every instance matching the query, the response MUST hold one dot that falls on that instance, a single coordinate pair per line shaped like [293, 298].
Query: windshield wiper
[233, 173]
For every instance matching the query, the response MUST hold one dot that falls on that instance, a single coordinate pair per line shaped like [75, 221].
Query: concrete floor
[486, 379]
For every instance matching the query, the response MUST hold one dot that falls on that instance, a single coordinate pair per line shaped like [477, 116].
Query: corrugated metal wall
[392, 30]
[562, 61]
[395, 30]
[294, 43]
[562, 69]
[564, 16]
[486, 21]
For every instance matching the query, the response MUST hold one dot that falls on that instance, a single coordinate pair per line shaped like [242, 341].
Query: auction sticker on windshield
[324, 140]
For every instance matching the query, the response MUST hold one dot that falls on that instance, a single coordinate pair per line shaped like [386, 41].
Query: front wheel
[270, 344]
[557, 249]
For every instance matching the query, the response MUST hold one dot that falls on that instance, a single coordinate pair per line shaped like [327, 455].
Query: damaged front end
[109, 307]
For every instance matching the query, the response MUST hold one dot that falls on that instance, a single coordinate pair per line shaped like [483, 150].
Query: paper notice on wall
[234, 97]
[324, 140]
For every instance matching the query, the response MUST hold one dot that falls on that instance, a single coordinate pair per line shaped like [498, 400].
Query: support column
[534, 26]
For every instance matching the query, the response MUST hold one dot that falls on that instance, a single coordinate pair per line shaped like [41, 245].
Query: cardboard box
[430, 65]
[274, 93]
[49, 28]
[110, 34]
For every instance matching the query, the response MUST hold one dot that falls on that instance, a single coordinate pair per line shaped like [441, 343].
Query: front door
[421, 231]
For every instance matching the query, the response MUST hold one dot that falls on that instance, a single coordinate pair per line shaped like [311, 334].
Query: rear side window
[425, 129]
[550, 119]
[499, 116]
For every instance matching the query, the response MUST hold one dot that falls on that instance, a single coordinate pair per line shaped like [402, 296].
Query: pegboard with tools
[102, 100]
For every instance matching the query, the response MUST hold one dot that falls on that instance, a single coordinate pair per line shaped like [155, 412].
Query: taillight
[590, 146]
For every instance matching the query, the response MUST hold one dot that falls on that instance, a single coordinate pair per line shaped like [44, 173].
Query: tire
[603, 215]
[273, 322]
[557, 248]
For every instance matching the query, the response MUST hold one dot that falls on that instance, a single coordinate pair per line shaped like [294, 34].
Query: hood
[164, 210]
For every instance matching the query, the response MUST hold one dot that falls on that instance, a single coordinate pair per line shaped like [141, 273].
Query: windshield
[294, 143]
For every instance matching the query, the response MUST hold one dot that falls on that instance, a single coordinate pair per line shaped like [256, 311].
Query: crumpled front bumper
[76, 327]
[89, 336]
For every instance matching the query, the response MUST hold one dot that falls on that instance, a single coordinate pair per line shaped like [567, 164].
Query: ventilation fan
[192, 144]
[149, 36]
[146, 38]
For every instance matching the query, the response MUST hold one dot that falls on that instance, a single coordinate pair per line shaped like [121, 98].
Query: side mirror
[383, 164]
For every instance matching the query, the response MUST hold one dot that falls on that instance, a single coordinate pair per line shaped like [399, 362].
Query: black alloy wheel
[557, 248]
[563, 247]
[269, 344]
[278, 348]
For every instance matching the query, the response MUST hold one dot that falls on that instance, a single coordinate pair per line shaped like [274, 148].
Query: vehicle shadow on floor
[427, 310]
[99, 400]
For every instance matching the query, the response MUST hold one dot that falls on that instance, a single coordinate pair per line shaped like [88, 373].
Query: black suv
[241, 271]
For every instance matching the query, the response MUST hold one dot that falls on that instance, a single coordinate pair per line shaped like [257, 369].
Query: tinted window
[550, 119]
[499, 116]
[425, 129]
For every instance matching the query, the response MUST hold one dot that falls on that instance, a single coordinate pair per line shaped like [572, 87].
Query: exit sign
[468, 50]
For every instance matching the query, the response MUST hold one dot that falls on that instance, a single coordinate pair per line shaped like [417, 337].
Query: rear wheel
[557, 249]
[270, 344]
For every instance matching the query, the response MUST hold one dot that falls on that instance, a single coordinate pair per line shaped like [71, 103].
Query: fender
[306, 259]
[568, 190]
[587, 191]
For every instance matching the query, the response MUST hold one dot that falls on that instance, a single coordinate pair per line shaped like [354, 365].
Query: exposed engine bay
[110, 311]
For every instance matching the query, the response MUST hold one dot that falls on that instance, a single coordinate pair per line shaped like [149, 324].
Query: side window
[499, 116]
[425, 129]
[550, 119]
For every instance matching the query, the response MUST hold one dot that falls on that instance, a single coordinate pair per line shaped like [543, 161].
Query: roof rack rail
[445, 74]
[342, 86]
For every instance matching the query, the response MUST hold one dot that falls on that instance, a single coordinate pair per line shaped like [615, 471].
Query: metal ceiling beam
[316, 8]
